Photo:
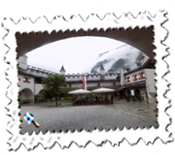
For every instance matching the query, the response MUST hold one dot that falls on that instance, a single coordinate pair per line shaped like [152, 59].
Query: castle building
[139, 80]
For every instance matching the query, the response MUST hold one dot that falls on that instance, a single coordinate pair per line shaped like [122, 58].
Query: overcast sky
[76, 54]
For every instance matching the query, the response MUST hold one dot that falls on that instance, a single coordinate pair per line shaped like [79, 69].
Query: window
[26, 79]
[68, 85]
[135, 77]
[127, 79]
[142, 75]
[113, 83]
[97, 84]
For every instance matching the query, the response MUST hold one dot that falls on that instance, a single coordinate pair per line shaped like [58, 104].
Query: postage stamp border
[76, 22]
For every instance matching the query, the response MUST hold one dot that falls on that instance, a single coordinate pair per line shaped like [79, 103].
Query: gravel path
[106, 117]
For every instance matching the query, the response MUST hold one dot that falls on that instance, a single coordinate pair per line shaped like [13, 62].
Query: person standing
[112, 99]
[109, 98]
[89, 100]
[96, 97]
[106, 99]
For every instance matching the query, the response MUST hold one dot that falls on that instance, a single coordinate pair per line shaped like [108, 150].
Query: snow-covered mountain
[114, 60]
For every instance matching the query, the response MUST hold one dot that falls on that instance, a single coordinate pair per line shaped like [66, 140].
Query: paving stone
[120, 114]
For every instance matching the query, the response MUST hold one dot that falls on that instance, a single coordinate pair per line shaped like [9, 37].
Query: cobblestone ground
[120, 114]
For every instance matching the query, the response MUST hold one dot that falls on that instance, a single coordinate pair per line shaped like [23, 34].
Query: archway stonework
[40, 93]
[38, 88]
[140, 38]
[26, 94]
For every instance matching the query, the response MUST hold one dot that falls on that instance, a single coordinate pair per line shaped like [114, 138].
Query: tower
[102, 70]
[62, 70]
[22, 62]
[122, 77]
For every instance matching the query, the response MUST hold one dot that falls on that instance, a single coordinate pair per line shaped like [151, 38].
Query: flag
[84, 83]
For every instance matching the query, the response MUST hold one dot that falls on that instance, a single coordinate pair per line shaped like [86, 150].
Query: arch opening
[26, 96]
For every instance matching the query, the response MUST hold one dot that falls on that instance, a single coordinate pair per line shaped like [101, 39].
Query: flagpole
[85, 83]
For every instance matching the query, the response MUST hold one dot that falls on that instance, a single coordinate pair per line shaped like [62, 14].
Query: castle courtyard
[67, 117]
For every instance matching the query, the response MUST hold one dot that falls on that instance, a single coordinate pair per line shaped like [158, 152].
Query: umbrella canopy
[80, 91]
[103, 90]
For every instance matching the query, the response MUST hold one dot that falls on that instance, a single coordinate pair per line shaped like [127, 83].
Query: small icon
[30, 118]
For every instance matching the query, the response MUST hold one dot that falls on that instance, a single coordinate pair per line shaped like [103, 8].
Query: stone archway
[40, 92]
[26, 95]
[140, 38]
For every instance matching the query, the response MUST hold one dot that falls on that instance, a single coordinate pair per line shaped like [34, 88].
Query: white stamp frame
[75, 23]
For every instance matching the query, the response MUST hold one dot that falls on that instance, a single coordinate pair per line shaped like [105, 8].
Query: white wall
[38, 88]
[22, 62]
[150, 75]
[23, 66]
[150, 85]
[75, 85]
[26, 94]
[92, 84]
[24, 85]
[131, 76]
[105, 84]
